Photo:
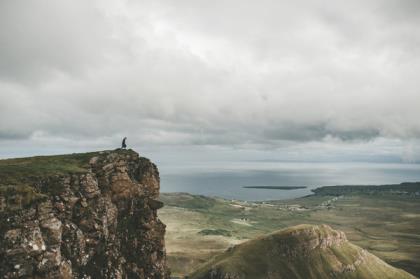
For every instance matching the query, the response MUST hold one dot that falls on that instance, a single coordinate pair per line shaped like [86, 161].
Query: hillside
[198, 228]
[91, 215]
[303, 251]
[406, 188]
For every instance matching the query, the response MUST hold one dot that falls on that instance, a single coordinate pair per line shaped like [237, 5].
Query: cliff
[304, 251]
[91, 215]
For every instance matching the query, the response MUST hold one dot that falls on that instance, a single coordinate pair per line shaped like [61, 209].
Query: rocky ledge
[300, 241]
[94, 219]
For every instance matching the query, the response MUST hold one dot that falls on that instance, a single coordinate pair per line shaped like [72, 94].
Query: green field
[199, 227]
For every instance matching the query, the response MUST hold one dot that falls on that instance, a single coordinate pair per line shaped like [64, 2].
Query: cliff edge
[91, 215]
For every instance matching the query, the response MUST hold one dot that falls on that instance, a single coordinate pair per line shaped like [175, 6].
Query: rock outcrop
[98, 221]
[304, 251]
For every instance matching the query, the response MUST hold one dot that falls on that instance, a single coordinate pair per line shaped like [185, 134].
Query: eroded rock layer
[98, 223]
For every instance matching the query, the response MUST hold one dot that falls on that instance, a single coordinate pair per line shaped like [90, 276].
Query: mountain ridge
[303, 251]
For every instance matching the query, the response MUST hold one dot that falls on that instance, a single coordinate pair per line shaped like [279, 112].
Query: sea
[227, 180]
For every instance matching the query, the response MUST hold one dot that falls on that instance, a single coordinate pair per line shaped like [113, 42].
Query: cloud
[39, 40]
[234, 73]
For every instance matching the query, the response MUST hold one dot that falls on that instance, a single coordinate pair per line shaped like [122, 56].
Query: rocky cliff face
[97, 222]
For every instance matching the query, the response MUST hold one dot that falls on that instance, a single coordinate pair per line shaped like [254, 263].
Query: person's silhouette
[123, 145]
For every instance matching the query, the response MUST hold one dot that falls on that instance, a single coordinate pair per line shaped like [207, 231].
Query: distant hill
[304, 251]
[406, 188]
[186, 200]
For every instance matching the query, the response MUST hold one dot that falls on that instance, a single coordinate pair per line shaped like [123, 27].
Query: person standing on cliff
[123, 145]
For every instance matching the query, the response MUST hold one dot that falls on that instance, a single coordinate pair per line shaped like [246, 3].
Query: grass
[20, 196]
[215, 232]
[403, 188]
[20, 178]
[386, 225]
[185, 200]
[23, 170]
[265, 257]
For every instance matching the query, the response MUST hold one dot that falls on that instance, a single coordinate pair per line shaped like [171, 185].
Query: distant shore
[275, 187]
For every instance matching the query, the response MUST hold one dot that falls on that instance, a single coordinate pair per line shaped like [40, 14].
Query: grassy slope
[259, 257]
[386, 226]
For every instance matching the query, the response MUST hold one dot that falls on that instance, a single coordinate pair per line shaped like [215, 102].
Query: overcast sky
[206, 80]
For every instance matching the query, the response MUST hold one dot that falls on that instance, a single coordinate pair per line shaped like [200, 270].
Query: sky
[196, 81]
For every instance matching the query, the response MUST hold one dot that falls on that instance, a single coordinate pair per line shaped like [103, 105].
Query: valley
[198, 227]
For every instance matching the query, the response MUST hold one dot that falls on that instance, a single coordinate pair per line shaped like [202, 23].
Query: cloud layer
[228, 73]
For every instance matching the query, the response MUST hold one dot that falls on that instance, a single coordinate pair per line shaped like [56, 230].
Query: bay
[227, 180]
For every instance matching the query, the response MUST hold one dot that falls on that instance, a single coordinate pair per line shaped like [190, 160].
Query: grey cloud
[41, 39]
[228, 73]
[317, 132]
[6, 135]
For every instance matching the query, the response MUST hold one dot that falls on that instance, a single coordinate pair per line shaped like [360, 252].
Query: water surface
[227, 180]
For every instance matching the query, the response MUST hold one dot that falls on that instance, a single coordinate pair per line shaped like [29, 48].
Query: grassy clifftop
[22, 170]
[19, 176]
